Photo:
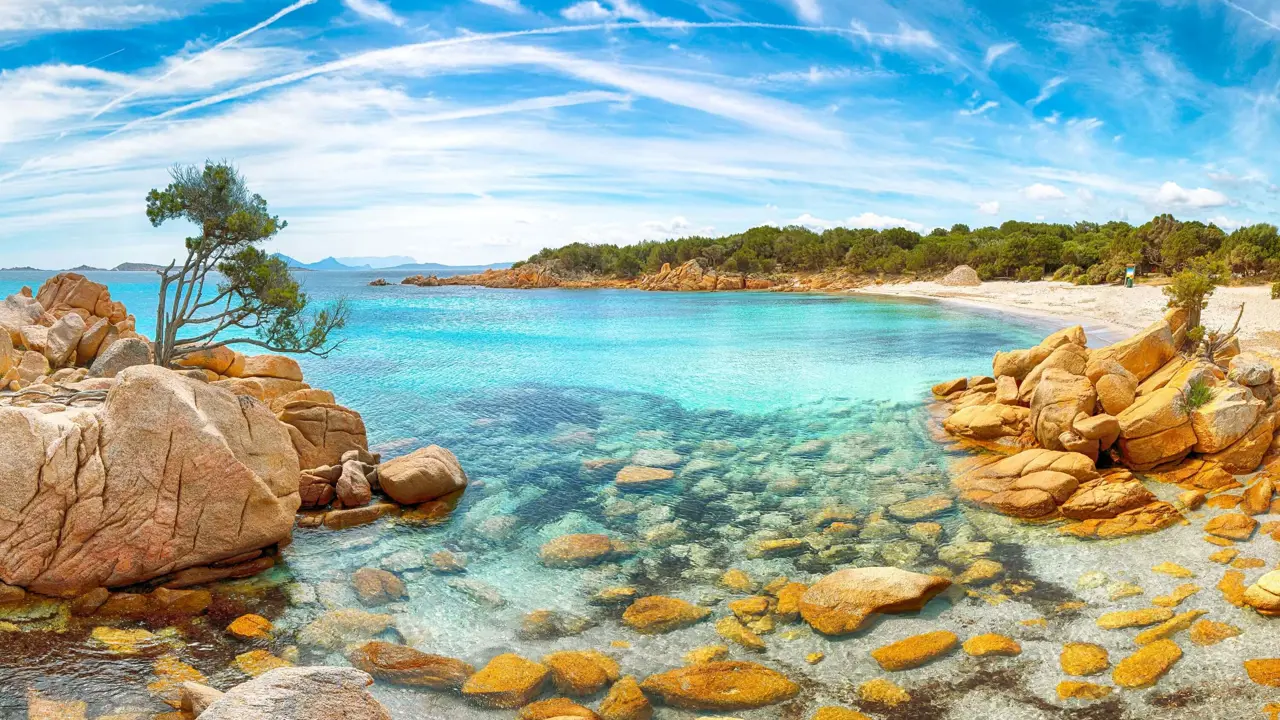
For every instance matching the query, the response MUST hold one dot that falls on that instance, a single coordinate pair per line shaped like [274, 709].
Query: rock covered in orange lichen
[992, 644]
[721, 686]
[916, 650]
[580, 673]
[508, 681]
[406, 666]
[839, 603]
[1146, 666]
[626, 701]
[657, 614]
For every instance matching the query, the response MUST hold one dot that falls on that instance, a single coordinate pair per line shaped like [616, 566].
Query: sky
[478, 131]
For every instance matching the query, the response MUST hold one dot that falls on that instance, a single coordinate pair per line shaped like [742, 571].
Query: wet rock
[1145, 667]
[1233, 526]
[981, 572]
[657, 614]
[421, 476]
[355, 517]
[581, 673]
[639, 476]
[656, 458]
[196, 697]
[987, 422]
[1030, 484]
[479, 592]
[1077, 690]
[1257, 497]
[250, 627]
[879, 691]
[551, 624]
[1211, 632]
[1169, 628]
[1082, 659]
[839, 603]
[170, 674]
[626, 701]
[377, 587]
[992, 644]
[1175, 598]
[1233, 588]
[916, 650]
[779, 547]
[122, 642]
[508, 681]
[403, 665]
[921, 508]
[336, 629]
[444, 562]
[39, 708]
[732, 629]
[307, 693]
[1107, 497]
[1264, 595]
[1134, 618]
[614, 596]
[737, 580]
[830, 712]
[721, 686]
[576, 551]
[1264, 672]
[256, 663]
[555, 709]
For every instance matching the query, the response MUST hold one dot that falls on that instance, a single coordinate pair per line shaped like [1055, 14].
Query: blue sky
[483, 130]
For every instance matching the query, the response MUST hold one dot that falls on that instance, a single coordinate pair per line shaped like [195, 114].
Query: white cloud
[1073, 34]
[984, 107]
[907, 37]
[511, 6]
[1085, 194]
[375, 10]
[995, 52]
[674, 226]
[1047, 91]
[593, 11]
[30, 15]
[1040, 191]
[809, 11]
[989, 208]
[881, 222]
[1174, 195]
[1084, 124]
[1227, 223]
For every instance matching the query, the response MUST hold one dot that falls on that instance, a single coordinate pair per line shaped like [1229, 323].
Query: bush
[1028, 273]
[1067, 273]
[1197, 394]
[987, 271]
[1275, 290]
[1189, 291]
[1096, 275]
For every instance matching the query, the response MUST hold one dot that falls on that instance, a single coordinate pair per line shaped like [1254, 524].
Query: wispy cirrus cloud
[995, 52]
[1046, 91]
[375, 10]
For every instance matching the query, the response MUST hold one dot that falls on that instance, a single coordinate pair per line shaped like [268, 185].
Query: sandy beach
[1120, 309]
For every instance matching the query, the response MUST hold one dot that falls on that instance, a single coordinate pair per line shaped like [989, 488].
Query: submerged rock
[721, 686]
[307, 693]
[508, 681]
[626, 701]
[656, 614]
[423, 475]
[839, 603]
[1145, 667]
[916, 650]
[403, 665]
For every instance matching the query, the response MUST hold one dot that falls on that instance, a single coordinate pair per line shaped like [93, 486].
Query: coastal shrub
[1197, 394]
[254, 292]
[1190, 291]
[1275, 290]
[1066, 273]
[1096, 275]
[1029, 273]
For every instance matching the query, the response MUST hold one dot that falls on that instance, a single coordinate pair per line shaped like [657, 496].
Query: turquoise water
[769, 407]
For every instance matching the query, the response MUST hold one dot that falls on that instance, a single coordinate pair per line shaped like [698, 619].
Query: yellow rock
[1146, 666]
[1169, 628]
[1172, 570]
[732, 629]
[992, 644]
[838, 713]
[640, 476]
[1209, 632]
[721, 686]
[1233, 587]
[625, 701]
[1246, 563]
[555, 709]
[814, 658]
[737, 581]
[257, 662]
[1081, 659]
[1224, 555]
[170, 674]
[1264, 672]
[751, 608]
[1134, 618]
[1077, 690]
[708, 653]
[122, 642]
[981, 572]
[883, 692]
[915, 650]
[657, 614]
[508, 681]
[39, 708]
[250, 627]
[788, 607]
[1232, 526]
[1119, 591]
[1180, 593]
[579, 673]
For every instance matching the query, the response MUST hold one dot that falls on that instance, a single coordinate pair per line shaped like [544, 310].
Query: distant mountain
[137, 267]
[325, 264]
[437, 267]
[86, 268]
[377, 262]
[24, 268]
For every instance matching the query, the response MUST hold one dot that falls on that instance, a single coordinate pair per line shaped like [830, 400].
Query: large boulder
[1017, 363]
[95, 338]
[1031, 484]
[1250, 371]
[961, 276]
[1156, 429]
[1245, 454]
[987, 422]
[423, 475]
[1058, 398]
[323, 432]
[300, 693]
[63, 339]
[840, 603]
[217, 359]
[1229, 414]
[1144, 353]
[1107, 497]
[122, 354]
[74, 293]
[1068, 357]
[169, 473]
[18, 311]
[268, 366]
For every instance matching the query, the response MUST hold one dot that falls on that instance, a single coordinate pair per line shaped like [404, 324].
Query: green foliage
[1030, 273]
[1275, 290]
[1067, 273]
[254, 291]
[1198, 393]
[1097, 253]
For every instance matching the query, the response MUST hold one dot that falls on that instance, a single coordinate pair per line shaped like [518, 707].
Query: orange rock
[991, 644]
[1134, 618]
[656, 614]
[555, 709]
[838, 713]
[737, 580]
[1224, 556]
[1082, 659]
[916, 650]
[1169, 628]
[1145, 667]
[636, 476]
[626, 701]
[1153, 517]
[1172, 570]
[1209, 632]
[1173, 599]
[257, 662]
[575, 551]
[1233, 587]
[508, 681]
[731, 628]
[883, 692]
[250, 627]
[839, 603]
[1233, 526]
[789, 596]
[403, 665]
[1223, 502]
[1077, 690]
[580, 673]
[1257, 498]
[1264, 672]
[721, 686]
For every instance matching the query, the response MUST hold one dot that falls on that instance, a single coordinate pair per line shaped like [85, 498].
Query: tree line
[1084, 252]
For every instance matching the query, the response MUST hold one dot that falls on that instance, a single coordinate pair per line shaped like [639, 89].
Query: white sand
[1122, 309]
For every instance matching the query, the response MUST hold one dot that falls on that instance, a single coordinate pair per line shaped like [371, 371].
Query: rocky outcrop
[1031, 484]
[1228, 416]
[988, 422]
[168, 474]
[692, 277]
[1156, 430]
[322, 432]
[1058, 398]
[73, 293]
[421, 476]
[300, 693]
[1144, 353]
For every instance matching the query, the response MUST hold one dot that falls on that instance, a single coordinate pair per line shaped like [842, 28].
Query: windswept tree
[250, 298]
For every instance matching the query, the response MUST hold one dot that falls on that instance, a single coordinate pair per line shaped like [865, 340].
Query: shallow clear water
[775, 407]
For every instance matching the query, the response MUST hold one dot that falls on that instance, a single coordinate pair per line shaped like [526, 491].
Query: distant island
[402, 263]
